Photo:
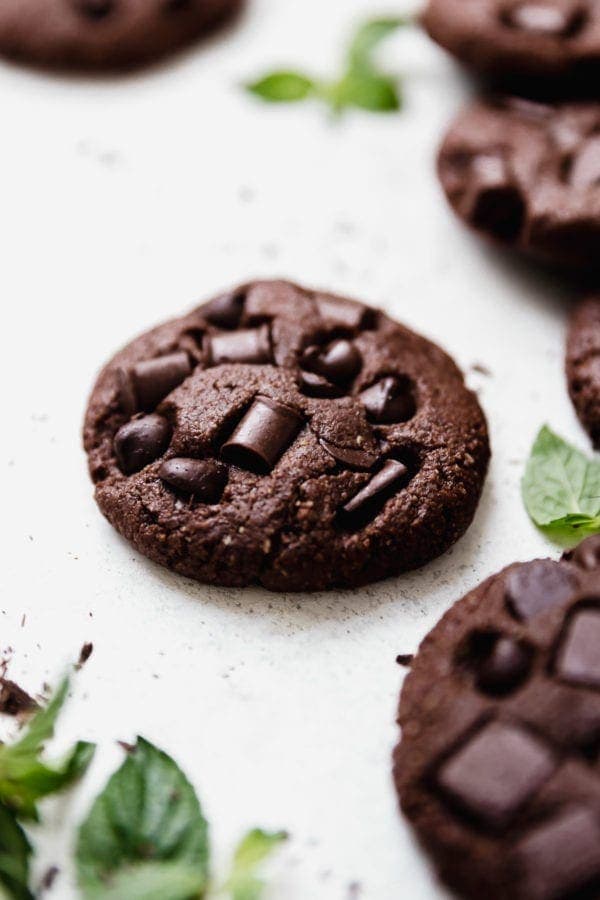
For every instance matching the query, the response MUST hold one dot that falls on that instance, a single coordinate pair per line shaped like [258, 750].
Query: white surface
[125, 201]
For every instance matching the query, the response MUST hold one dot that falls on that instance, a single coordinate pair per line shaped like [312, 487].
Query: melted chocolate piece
[587, 554]
[390, 476]
[496, 772]
[150, 381]
[505, 667]
[250, 345]
[338, 362]
[536, 587]
[389, 400]
[340, 313]
[261, 437]
[353, 457]
[95, 9]
[225, 311]
[314, 385]
[140, 442]
[578, 659]
[203, 479]
[585, 167]
[541, 18]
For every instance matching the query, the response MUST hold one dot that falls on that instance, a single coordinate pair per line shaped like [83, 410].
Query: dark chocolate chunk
[585, 168]
[204, 479]
[494, 203]
[84, 654]
[13, 699]
[505, 667]
[225, 311]
[350, 456]
[405, 659]
[540, 18]
[140, 442]
[151, 380]
[392, 473]
[587, 554]
[339, 362]
[389, 400]
[578, 659]
[496, 772]
[536, 587]
[250, 345]
[560, 856]
[95, 9]
[261, 437]
[314, 385]
[343, 314]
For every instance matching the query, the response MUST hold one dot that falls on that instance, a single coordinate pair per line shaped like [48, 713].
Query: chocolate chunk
[389, 400]
[338, 362]
[225, 311]
[13, 699]
[536, 587]
[585, 168]
[151, 380]
[578, 659]
[350, 456]
[314, 385]
[494, 203]
[405, 659]
[587, 554]
[95, 9]
[204, 479]
[540, 18]
[84, 654]
[343, 314]
[251, 345]
[505, 667]
[496, 772]
[140, 442]
[390, 476]
[263, 434]
[560, 856]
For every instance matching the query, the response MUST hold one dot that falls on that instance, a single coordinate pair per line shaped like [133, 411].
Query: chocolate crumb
[13, 699]
[405, 659]
[49, 878]
[86, 652]
[128, 748]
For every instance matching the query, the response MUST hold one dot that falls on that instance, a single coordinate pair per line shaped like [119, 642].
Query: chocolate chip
[405, 659]
[496, 772]
[338, 362]
[578, 658]
[389, 400]
[263, 434]
[203, 479]
[95, 9]
[561, 857]
[343, 314]
[251, 345]
[150, 381]
[350, 456]
[505, 668]
[534, 588]
[225, 311]
[541, 18]
[587, 554]
[494, 202]
[314, 385]
[389, 477]
[585, 167]
[140, 442]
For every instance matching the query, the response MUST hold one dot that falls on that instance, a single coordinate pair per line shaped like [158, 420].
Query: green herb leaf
[146, 830]
[283, 87]
[254, 849]
[24, 777]
[15, 854]
[561, 488]
[368, 37]
[375, 93]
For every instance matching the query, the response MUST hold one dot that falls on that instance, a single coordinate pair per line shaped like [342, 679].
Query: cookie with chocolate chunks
[532, 47]
[105, 34]
[285, 437]
[498, 766]
[527, 175]
[583, 365]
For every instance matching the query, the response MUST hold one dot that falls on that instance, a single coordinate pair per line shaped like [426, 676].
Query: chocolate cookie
[286, 437]
[527, 175]
[530, 46]
[583, 365]
[499, 764]
[104, 34]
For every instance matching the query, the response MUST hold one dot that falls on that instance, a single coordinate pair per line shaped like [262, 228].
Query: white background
[124, 201]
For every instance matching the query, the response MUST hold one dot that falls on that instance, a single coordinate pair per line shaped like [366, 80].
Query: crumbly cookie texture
[583, 365]
[497, 768]
[286, 437]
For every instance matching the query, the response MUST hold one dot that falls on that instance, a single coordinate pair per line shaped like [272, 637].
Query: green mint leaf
[150, 881]
[24, 777]
[15, 855]
[561, 488]
[283, 87]
[254, 849]
[375, 93]
[368, 37]
[147, 813]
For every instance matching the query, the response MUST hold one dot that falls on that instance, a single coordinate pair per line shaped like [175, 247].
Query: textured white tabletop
[123, 203]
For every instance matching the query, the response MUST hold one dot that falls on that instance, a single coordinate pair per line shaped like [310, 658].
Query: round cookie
[583, 365]
[549, 47]
[527, 175]
[498, 766]
[286, 437]
[104, 34]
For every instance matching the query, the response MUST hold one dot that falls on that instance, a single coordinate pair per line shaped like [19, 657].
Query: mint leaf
[368, 37]
[15, 855]
[24, 777]
[375, 93]
[561, 488]
[282, 87]
[255, 848]
[146, 830]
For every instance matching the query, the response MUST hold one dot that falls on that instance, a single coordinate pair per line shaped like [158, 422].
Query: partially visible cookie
[286, 437]
[498, 768]
[104, 34]
[529, 46]
[583, 365]
[527, 175]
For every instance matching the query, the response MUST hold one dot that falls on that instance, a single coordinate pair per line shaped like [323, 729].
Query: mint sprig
[561, 489]
[361, 84]
[244, 882]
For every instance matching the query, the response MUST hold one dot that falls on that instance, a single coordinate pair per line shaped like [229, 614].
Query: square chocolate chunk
[496, 772]
[578, 659]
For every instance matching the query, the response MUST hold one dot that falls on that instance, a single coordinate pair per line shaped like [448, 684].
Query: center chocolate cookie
[286, 437]
[527, 175]
[499, 764]
[104, 34]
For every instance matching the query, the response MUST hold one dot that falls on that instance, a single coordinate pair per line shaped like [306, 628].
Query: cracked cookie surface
[286, 437]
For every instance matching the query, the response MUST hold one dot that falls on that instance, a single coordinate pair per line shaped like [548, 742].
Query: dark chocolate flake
[261, 437]
[354, 457]
[314, 385]
[140, 442]
[249, 345]
[203, 479]
[389, 400]
[339, 362]
[13, 699]
[387, 479]
[534, 588]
